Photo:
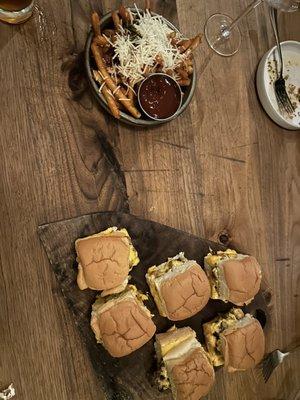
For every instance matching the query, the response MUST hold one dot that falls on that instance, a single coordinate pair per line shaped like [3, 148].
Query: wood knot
[74, 67]
[261, 316]
[224, 237]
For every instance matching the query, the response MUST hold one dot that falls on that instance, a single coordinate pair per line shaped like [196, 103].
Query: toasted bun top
[192, 376]
[243, 278]
[243, 345]
[104, 261]
[185, 294]
[124, 327]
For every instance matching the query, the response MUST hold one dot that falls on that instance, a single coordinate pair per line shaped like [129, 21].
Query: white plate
[266, 76]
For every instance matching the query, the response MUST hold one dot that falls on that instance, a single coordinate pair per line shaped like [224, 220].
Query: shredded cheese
[101, 87]
[136, 54]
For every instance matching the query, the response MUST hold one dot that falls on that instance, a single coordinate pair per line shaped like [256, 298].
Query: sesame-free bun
[186, 294]
[180, 290]
[189, 370]
[235, 340]
[122, 324]
[233, 277]
[243, 278]
[243, 345]
[104, 261]
[192, 376]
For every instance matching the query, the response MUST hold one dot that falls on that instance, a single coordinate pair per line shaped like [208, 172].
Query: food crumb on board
[8, 393]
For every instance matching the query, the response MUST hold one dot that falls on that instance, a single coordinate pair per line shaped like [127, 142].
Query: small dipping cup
[159, 97]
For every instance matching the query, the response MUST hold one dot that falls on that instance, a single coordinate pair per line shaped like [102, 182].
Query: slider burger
[122, 323]
[179, 286]
[184, 364]
[233, 277]
[104, 260]
[235, 340]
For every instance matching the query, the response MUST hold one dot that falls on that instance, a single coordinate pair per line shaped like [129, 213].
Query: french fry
[130, 15]
[131, 95]
[184, 82]
[101, 40]
[110, 100]
[159, 60]
[147, 70]
[96, 24]
[121, 88]
[172, 35]
[195, 42]
[182, 73]
[110, 83]
[189, 69]
[114, 77]
[109, 33]
[189, 44]
[124, 13]
[184, 45]
[116, 19]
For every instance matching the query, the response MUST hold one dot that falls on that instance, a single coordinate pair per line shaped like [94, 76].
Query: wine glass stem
[226, 32]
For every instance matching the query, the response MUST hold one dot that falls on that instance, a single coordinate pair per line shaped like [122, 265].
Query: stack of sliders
[180, 288]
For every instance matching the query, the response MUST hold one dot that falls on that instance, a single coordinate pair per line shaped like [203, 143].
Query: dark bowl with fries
[123, 114]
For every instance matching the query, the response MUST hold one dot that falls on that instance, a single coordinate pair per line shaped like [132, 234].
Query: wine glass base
[16, 17]
[219, 38]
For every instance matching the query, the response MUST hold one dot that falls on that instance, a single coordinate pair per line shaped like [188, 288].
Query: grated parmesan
[136, 54]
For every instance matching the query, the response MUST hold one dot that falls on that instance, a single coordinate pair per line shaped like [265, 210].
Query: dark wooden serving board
[130, 377]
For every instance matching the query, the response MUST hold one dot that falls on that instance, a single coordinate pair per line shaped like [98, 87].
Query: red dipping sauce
[159, 96]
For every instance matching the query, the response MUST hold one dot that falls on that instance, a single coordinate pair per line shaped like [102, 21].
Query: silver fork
[283, 100]
[272, 360]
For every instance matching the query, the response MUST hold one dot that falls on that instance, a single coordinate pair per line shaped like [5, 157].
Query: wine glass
[15, 11]
[222, 32]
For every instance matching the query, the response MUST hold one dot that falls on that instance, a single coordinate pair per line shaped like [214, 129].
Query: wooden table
[223, 166]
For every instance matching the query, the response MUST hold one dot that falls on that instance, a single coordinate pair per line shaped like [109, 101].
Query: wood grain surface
[222, 167]
[133, 377]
